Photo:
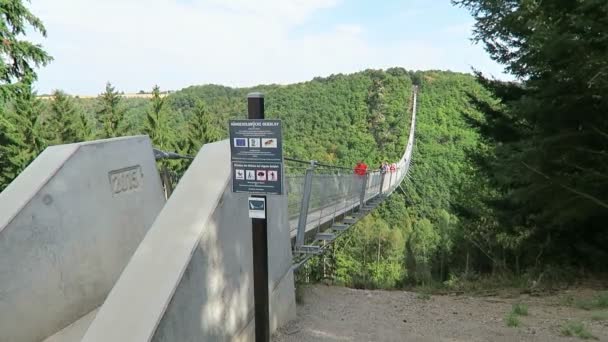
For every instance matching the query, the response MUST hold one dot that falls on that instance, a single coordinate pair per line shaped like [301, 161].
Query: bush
[577, 329]
[424, 296]
[599, 301]
[600, 316]
[512, 320]
[520, 309]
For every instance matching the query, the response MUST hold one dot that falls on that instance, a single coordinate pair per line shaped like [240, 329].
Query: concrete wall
[214, 299]
[68, 226]
[191, 279]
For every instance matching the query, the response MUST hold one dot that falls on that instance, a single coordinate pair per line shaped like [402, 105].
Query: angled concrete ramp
[191, 278]
[68, 226]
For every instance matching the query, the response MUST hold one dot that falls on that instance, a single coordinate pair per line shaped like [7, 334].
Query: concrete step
[308, 249]
[325, 237]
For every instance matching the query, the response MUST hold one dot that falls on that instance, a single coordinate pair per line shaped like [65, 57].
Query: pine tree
[17, 61]
[18, 57]
[111, 116]
[10, 144]
[83, 127]
[201, 129]
[29, 127]
[61, 124]
[550, 131]
[157, 126]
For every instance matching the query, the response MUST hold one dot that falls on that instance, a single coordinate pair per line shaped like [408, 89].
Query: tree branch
[601, 153]
[579, 193]
[598, 131]
[580, 168]
[481, 249]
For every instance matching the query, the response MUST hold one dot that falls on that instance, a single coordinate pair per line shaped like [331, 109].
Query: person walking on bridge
[361, 168]
[384, 167]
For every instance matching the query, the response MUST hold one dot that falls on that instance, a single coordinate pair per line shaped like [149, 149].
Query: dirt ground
[340, 314]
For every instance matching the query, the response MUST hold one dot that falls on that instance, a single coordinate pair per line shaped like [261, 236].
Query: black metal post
[255, 105]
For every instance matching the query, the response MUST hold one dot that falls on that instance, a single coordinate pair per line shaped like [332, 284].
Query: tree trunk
[466, 267]
[324, 263]
[410, 261]
[365, 262]
[378, 258]
[441, 269]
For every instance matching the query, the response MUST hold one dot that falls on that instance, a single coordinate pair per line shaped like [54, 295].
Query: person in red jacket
[361, 168]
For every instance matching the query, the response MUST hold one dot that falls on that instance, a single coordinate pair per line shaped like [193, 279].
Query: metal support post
[363, 189]
[382, 183]
[304, 205]
[255, 104]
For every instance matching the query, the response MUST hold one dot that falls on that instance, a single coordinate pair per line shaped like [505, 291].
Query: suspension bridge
[95, 245]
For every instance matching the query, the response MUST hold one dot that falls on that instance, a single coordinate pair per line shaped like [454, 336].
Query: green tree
[10, 145]
[18, 57]
[201, 129]
[62, 121]
[377, 111]
[111, 116]
[157, 124]
[29, 126]
[83, 127]
[550, 132]
[425, 240]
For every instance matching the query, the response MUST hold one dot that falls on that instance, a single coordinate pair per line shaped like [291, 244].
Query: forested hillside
[450, 224]
[444, 226]
[420, 236]
[339, 120]
[507, 178]
[335, 119]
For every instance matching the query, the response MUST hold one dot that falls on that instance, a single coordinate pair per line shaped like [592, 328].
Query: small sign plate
[257, 207]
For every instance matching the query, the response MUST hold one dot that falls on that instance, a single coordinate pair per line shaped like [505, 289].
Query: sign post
[256, 148]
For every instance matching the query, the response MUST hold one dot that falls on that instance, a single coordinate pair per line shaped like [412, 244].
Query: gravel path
[341, 314]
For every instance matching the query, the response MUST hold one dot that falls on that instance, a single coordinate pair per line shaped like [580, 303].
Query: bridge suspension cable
[324, 205]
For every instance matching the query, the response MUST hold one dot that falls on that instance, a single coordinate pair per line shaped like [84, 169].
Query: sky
[135, 44]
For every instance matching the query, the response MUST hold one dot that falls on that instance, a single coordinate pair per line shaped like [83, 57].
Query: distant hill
[139, 95]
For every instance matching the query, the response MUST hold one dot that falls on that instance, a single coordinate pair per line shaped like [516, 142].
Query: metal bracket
[307, 249]
[325, 237]
[340, 227]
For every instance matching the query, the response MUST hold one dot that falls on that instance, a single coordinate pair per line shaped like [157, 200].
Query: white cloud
[464, 29]
[136, 44]
[350, 29]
